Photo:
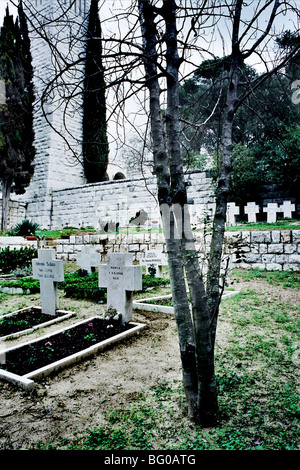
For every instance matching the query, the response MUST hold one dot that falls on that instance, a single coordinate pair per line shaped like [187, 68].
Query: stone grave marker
[155, 258]
[251, 209]
[232, 211]
[120, 278]
[287, 208]
[271, 210]
[49, 271]
[88, 258]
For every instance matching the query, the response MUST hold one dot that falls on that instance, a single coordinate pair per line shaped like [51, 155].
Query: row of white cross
[119, 276]
[251, 209]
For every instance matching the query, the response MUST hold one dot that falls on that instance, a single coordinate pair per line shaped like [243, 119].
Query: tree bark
[192, 325]
[6, 190]
[205, 406]
[161, 166]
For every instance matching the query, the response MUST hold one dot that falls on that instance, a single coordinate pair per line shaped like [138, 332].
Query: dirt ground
[75, 399]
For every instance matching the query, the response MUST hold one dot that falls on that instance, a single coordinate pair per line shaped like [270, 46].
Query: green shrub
[29, 285]
[149, 281]
[16, 258]
[25, 228]
[82, 286]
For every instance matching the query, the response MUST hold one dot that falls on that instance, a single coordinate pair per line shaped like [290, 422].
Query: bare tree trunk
[6, 190]
[205, 406]
[193, 327]
[161, 166]
[223, 184]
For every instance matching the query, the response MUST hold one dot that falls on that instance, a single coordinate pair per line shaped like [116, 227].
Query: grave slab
[120, 278]
[49, 272]
[27, 381]
[143, 304]
[61, 315]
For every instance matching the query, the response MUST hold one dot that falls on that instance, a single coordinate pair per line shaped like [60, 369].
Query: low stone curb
[26, 381]
[65, 316]
[142, 305]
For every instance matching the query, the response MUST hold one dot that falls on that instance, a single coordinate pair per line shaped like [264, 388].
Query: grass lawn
[257, 367]
[288, 224]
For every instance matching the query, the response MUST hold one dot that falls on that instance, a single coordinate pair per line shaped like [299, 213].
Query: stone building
[58, 194]
[57, 117]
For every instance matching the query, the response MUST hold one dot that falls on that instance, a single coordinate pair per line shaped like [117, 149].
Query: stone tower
[57, 39]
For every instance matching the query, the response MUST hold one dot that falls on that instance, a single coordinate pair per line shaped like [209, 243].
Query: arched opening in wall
[119, 176]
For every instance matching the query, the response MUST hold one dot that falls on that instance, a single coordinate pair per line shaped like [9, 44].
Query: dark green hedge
[12, 259]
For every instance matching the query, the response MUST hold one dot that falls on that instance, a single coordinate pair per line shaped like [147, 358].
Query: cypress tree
[95, 145]
[16, 114]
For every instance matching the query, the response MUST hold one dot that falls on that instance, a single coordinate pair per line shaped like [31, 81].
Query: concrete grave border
[65, 315]
[26, 381]
[141, 304]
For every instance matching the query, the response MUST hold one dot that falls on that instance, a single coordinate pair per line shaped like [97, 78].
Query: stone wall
[58, 124]
[16, 242]
[119, 201]
[271, 250]
[17, 211]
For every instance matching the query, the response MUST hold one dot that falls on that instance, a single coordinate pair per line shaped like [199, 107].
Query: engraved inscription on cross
[155, 258]
[120, 278]
[49, 271]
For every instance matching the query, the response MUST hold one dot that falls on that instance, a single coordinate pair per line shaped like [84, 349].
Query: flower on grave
[48, 343]
[90, 324]
[257, 445]
[109, 326]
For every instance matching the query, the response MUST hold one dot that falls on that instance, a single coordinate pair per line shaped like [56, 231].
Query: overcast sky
[3, 5]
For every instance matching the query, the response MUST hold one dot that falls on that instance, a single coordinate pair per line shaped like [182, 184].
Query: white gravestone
[120, 278]
[271, 210]
[287, 208]
[48, 271]
[251, 209]
[88, 259]
[232, 211]
[155, 258]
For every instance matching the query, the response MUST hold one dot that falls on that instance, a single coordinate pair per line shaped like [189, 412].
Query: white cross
[232, 211]
[271, 210]
[88, 259]
[251, 209]
[120, 278]
[287, 208]
[49, 271]
[155, 258]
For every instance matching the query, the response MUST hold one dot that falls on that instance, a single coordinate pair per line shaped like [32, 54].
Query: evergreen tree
[265, 128]
[16, 114]
[95, 144]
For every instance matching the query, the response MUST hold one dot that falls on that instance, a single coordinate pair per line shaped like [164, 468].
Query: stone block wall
[271, 250]
[119, 201]
[16, 242]
[58, 152]
[17, 211]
